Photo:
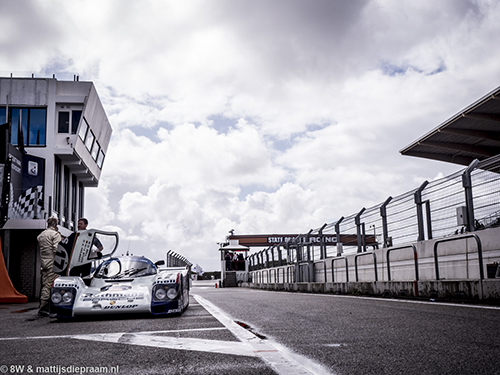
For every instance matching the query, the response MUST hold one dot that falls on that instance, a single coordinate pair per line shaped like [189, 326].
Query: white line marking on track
[184, 343]
[278, 356]
[116, 333]
[149, 339]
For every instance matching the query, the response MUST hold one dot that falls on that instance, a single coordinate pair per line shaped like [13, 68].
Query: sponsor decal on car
[116, 307]
[113, 297]
[115, 288]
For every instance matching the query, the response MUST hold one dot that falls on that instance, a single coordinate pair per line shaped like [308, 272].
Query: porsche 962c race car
[125, 284]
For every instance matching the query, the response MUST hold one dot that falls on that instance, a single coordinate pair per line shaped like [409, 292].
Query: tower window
[33, 125]
[68, 120]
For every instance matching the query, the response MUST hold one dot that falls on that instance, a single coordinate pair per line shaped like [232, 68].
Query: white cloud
[258, 116]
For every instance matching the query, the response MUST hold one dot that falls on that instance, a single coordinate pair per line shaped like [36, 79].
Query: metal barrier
[415, 257]
[346, 268]
[266, 273]
[463, 202]
[417, 276]
[324, 267]
[479, 252]
[309, 269]
[290, 274]
[283, 273]
[374, 264]
[274, 273]
[256, 277]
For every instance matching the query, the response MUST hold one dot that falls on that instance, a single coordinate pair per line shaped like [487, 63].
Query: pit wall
[445, 268]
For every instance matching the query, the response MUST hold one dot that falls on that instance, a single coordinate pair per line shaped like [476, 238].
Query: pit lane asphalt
[346, 335]
[41, 344]
[364, 335]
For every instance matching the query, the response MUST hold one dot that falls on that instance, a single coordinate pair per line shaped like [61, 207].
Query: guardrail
[283, 272]
[415, 271]
[346, 268]
[415, 257]
[307, 270]
[290, 274]
[479, 252]
[374, 264]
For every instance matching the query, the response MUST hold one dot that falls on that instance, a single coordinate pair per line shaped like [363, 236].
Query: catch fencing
[464, 202]
[176, 260]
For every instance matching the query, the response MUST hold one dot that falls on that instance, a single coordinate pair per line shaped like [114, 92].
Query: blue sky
[258, 116]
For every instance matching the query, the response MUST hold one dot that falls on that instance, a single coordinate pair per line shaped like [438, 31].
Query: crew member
[47, 242]
[82, 225]
[85, 269]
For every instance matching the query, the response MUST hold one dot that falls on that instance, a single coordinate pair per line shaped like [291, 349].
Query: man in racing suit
[85, 269]
[47, 242]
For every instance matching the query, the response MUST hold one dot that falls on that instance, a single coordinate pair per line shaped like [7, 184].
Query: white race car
[125, 284]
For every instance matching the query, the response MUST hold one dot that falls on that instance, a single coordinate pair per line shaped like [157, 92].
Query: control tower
[234, 263]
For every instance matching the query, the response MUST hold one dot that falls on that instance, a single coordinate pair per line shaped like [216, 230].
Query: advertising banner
[265, 240]
[26, 185]
[16, 180]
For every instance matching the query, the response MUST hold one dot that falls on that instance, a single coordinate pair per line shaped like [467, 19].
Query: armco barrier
[479, 252]
[415, 257]
[412, 270]
[346, 268]
[374, 263]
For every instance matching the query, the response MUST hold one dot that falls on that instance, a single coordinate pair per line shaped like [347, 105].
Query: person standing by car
[82, 225]
[86, 269]
[47, 243]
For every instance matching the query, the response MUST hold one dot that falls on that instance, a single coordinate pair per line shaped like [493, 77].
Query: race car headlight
[163, 292]
[67, 297]
[171, 293]
[160, 294]
[56, 298]
[60, 296]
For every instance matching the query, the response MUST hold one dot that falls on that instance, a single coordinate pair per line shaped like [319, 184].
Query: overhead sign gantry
[264, 240]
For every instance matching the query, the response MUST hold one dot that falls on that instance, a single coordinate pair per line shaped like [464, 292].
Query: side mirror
[160, 263]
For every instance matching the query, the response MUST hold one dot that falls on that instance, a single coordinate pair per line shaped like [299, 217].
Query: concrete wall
[407, 271]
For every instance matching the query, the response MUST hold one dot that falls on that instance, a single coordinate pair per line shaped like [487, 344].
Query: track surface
[279, 333]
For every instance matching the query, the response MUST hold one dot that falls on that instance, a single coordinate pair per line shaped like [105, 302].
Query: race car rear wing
[82, 248]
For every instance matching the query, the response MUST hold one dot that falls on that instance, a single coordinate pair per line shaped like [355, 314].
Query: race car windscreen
[126, 267]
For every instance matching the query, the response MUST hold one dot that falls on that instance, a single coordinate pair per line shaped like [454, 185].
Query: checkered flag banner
[28, 205]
